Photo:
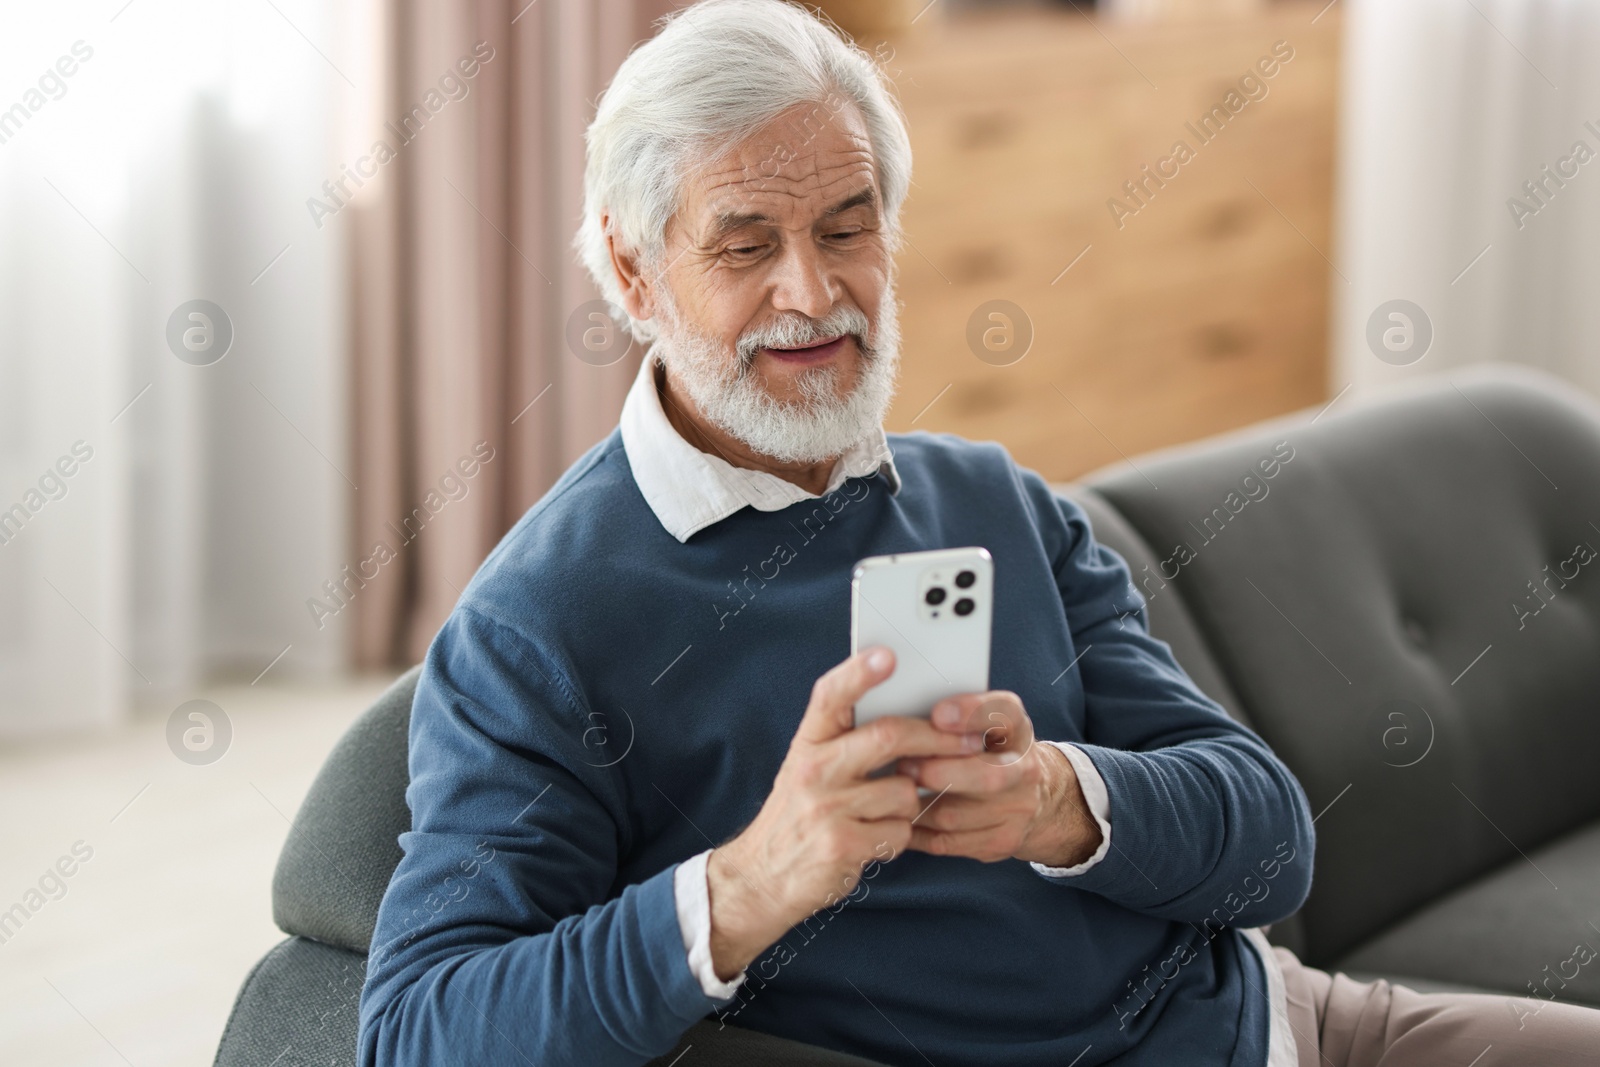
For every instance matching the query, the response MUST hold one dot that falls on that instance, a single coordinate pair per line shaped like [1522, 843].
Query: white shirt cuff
[692, 896]
[1094, 794]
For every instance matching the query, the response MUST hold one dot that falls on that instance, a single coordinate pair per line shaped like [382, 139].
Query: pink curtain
[468, 403]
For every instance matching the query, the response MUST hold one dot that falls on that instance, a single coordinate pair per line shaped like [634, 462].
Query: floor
[135, 957]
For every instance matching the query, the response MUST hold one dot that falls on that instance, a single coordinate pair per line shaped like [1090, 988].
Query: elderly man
[640, 805]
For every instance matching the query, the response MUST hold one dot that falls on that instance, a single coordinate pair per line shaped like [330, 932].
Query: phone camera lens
[935, 595]
[965, 579]
[964, 606]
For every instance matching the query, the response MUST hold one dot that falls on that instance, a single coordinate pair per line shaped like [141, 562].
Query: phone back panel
[939, 651]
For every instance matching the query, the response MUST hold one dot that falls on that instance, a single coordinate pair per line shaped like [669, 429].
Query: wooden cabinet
[1204, 309]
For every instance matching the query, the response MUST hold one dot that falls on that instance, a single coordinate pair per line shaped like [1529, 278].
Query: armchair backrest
[1409, 611]
[344, 843]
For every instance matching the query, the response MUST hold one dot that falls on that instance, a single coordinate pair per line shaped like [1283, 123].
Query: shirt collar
[689, 489]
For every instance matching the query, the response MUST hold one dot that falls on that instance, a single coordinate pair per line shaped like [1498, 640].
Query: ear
[637, 296]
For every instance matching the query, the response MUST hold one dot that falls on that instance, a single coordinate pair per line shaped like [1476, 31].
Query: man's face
[775, 305]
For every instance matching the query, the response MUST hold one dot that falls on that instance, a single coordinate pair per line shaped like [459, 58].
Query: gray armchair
[1403, 610]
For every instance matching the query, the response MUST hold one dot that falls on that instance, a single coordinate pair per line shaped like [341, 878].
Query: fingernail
[972, 742]
[878, 659]
[945, 714]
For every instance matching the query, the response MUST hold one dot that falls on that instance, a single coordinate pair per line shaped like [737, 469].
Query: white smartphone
[934, 610]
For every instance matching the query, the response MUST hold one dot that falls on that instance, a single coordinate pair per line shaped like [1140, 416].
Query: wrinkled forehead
[791, 172]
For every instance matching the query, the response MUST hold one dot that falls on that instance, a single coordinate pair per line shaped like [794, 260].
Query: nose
[803, 281]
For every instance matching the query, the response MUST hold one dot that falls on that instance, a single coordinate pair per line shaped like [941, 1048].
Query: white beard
[822, 425]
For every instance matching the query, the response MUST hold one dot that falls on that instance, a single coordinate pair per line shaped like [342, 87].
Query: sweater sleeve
[1207, 820]
[500, 938]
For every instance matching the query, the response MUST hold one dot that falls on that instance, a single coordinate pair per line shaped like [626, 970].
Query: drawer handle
[1224, 340]
[977, 132]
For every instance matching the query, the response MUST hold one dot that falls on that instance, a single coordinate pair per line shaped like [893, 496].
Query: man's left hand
[1015, 799]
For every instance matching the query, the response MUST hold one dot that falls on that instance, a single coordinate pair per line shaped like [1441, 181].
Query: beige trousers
[1339, 1022]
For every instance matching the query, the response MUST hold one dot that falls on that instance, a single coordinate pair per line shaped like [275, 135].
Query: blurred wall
[1469, 188]
[173, 163]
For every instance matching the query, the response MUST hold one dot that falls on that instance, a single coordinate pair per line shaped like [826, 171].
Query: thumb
[832, 710]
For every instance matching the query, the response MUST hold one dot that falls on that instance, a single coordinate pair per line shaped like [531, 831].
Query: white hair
[714, 74]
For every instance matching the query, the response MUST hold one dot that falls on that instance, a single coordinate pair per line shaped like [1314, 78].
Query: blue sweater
[606, 702]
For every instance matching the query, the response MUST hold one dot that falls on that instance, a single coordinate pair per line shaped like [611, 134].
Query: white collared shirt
[689, 490]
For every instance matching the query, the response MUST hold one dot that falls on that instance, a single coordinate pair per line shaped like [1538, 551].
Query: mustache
[797, 331]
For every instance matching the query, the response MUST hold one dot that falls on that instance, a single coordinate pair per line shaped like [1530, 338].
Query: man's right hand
[824, 820]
